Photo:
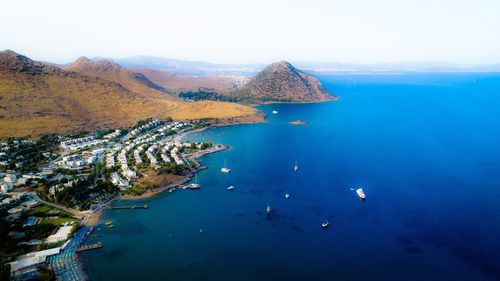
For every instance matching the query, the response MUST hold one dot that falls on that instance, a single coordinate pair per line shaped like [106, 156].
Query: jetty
[130, 207]
[89, 247]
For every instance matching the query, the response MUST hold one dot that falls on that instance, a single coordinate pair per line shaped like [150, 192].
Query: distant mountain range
[199, 68]
[190, 68]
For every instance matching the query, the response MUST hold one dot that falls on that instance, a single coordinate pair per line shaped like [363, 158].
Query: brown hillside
[281, 82]
[108, 70]
[37, 98]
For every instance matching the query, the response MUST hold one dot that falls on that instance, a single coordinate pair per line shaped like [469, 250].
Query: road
[74, 212]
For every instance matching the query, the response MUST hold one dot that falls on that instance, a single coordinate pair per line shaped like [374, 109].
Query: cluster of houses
[16, 205]
[113, 135]
[9, 181]
[78, 160]
[82, 143]
[145, 127]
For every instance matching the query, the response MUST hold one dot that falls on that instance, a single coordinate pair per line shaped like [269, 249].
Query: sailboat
[325, 224]
[287, 195]
[225, 169]
[296, 167]
[268, 209]
[195, 184]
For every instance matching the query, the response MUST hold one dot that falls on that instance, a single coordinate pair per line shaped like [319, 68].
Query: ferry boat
[275, 112]
[296, 167]
[268, 209]
[225, 169]
[231, 187]
[360, 193]
[287, 195]
[325, 224]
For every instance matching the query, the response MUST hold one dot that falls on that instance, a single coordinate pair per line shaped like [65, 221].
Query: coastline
[174, 186]
[91, 219]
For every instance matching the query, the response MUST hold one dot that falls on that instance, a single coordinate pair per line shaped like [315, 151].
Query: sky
[255, 31]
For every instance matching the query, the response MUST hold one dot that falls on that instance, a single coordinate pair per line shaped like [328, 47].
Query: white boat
[268, 209]
[275, 112]
[231, 187]
[360, 193]
[195, 184]
[225, 169]
[295, 167]
[287, 195]
[325, 224]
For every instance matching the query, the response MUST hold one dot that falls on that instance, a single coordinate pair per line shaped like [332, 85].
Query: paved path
[74, 212]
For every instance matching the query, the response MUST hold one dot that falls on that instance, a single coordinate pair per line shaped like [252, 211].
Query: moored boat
[360, 193]
[225, 169]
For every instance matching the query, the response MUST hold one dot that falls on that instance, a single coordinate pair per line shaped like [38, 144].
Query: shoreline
[175, 185]
[91, 219]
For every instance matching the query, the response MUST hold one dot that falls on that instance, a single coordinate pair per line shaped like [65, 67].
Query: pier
[89, 247]
[130, 207]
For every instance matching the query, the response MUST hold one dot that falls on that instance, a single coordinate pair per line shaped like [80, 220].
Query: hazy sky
[255, 30]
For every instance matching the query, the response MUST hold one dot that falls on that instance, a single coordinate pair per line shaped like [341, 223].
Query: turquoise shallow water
[425, 148]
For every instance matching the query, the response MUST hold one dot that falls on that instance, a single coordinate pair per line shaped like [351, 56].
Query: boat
[231, 187]
[287, 195]
[225, 169]
[325, 224]
[195, 184]
[275, 112]
[268, 209]
[296, 167]
[360, 193]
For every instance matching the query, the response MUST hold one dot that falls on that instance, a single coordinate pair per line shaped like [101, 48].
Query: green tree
[5, 272]
[45, 274]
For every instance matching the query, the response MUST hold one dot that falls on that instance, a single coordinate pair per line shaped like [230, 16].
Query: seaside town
[53, 189]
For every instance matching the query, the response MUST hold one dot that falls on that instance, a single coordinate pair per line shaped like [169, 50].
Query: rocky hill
[38, 98]
[281, 82]
[111, 71]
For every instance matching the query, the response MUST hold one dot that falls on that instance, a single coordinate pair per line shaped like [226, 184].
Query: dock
[89, 247]
[130, 207]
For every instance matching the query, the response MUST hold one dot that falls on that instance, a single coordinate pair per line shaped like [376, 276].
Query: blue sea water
[424, 147]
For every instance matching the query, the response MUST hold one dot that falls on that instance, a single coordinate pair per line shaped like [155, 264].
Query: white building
[6, 187]
[10, 178]
[62, 234]
[129, 174]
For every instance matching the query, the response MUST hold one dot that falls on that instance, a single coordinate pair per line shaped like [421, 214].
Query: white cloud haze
[234, 31]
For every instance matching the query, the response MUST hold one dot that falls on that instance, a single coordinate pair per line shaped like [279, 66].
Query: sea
[424, 147]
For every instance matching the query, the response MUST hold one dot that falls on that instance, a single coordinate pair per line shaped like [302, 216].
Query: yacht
[225, 169]
[195, 184]
[296, 167]
[287, 195]
[325, 224]
[231, 187]
[275, 112]
[360, 193]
